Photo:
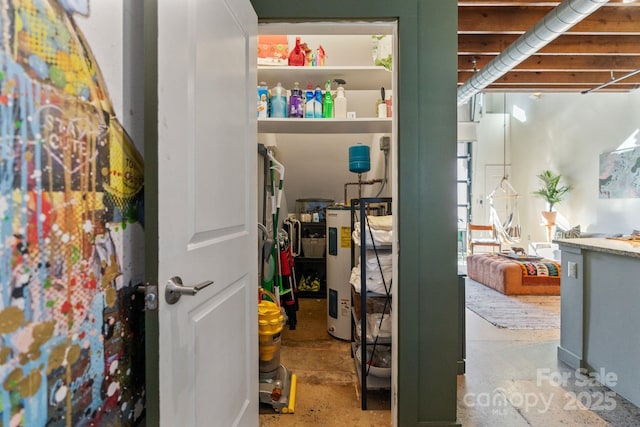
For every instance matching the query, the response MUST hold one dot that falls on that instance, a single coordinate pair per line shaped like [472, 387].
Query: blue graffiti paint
[96, 367]
[38, 65]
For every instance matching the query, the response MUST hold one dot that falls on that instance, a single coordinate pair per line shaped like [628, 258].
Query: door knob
[175, 289]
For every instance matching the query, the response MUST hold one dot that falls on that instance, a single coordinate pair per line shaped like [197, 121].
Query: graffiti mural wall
[71, 226]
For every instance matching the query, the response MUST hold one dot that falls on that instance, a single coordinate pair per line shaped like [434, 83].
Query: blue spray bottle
[318, 103]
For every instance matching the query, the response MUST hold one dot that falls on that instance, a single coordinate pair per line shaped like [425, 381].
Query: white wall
[567, 133]
[488, 150]
[103, 29]
[317, 166]
[114, 31]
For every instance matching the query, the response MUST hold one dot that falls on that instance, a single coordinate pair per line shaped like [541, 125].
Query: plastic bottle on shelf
[263, 100]
[327, 105]
[340, 104]
[381, 106]
[310, 104]
[318, 97]
[278, 101]
[296, 102]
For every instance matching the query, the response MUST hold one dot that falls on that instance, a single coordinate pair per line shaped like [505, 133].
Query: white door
[207, 221]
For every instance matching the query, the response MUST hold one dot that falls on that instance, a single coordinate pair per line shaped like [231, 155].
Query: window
[463, 184]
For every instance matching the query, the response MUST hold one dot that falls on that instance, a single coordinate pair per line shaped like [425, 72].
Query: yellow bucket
[270, 322]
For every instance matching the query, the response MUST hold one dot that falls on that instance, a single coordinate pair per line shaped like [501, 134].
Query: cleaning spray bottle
[327, 105]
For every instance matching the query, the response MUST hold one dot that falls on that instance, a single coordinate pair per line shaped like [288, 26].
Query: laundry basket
[313, 247]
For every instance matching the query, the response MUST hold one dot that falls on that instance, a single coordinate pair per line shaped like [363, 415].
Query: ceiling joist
[493, 44]
[517, 20]
[550, 78]
[558, 63]
[605, 42]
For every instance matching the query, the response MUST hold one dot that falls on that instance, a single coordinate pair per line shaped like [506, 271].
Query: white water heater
[339, 271]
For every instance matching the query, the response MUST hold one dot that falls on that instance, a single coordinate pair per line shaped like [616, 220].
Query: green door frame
[427, 288]
[427, 120]
[151, 325]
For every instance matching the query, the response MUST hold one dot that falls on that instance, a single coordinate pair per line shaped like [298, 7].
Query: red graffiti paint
[66, 307]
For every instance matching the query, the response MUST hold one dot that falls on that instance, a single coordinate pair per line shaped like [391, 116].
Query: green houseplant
[551, 190]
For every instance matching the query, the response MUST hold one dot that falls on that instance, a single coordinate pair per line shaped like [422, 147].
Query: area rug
[513, 312]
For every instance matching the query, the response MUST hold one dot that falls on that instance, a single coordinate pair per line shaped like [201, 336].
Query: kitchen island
[600, 311]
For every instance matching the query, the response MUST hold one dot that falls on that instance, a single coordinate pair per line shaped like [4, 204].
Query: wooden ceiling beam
[511, 3]
[593, 78]
[603, 46]
[517, 20]
[493, 44]
[558, 63]
[558, 88]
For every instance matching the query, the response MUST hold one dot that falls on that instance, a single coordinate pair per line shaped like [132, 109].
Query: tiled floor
[507, 382]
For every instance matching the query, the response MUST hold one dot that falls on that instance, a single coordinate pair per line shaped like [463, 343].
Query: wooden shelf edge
[325, 126]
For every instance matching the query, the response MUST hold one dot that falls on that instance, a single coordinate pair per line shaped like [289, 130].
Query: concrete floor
[508, 381]
[328, 393]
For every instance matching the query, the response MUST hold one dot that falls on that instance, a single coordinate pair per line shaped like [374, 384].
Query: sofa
[515, 277]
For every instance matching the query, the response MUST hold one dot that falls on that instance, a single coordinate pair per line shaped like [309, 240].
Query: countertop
[601, 244]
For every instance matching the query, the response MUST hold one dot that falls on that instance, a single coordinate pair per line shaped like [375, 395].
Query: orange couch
[511, 277]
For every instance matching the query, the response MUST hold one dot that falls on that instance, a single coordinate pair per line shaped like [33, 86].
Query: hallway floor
[509, 381]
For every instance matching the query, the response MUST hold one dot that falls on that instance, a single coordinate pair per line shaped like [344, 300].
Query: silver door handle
[175, 289]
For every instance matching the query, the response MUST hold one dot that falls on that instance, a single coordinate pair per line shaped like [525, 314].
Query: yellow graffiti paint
[73, 354]
[110, 297]
[30, 384]
[11, 383]
[11, 318]
[40, 334]
[56, 358]
[111, 271]
[126, 164]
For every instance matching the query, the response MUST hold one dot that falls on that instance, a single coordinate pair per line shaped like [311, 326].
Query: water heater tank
[359, 159]
[339, 272]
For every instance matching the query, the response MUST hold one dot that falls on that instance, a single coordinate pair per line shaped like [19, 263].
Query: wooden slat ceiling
[603, 46]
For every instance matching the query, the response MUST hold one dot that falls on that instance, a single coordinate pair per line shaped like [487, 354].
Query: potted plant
[552, 192]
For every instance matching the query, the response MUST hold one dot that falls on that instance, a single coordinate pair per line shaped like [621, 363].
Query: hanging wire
[504, 135]
[507, 228]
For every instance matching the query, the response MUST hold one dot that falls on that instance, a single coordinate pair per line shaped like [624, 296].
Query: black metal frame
[361, 206]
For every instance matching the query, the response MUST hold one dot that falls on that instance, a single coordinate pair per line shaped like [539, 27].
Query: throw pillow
[572, 233]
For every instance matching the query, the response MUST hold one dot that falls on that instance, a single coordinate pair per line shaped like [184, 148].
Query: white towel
[374, 280]
[386, 259]
[380, 237]
[384, 222]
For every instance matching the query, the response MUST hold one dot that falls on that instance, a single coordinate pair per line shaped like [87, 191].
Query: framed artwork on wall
[620, 174]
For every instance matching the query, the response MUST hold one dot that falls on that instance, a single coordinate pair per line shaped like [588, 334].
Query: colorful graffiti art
[71, 182]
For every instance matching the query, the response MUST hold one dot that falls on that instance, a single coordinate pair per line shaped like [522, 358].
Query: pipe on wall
[555, 23]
